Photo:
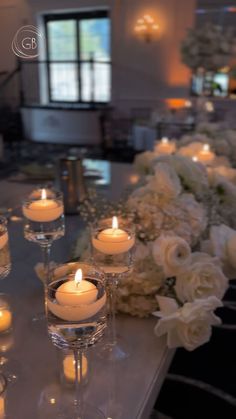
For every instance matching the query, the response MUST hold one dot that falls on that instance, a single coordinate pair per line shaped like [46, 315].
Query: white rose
[190, 325]
[222, 244]
[141, 251]
[165, 181]
[143, 162]
[172, 253]
[202, 279]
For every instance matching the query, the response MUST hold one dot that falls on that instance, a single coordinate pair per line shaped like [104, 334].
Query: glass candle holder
[112, 243]
[5, 261]
[44, 220]
[44, 216]
[75, 303]
[76, 315]
[3, 390]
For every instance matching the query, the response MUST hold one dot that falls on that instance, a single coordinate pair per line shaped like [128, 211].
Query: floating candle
[76, 291]
[165, 146]
[206, 156]
[5, 319]
[113, 241]
[76, 302]
[44, 209]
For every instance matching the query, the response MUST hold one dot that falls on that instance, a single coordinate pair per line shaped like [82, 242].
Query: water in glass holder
[112, 243]
[76, 315]
[44, 216]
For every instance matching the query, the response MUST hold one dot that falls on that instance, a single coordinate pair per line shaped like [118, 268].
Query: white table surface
[132, 385]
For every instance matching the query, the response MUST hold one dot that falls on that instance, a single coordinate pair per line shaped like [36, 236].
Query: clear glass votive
[3, 390]
[5, 261]
[112, 242]
[44, 216]
[76, 307]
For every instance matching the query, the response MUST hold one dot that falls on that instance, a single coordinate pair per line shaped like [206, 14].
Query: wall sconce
[147, 28]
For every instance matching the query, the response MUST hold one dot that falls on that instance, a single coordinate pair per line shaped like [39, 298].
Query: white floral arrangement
[172, 210]
[209, 47]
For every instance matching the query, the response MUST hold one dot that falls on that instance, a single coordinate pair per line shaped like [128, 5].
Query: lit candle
[43, 210]
[206, 156]
[2, 408]
[77, 291]
[188, 104]
[165, 146]
[69, 367]
[76, 299]
[5, 319]
[3, 240]
[113, 241]
[6, 342]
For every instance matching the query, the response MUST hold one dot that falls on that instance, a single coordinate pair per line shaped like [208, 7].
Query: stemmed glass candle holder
[3, 390]
[5, 261]
[76, 314]
[44, 220]
[112, 244]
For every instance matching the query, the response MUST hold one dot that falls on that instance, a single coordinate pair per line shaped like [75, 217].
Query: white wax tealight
[3, 239]
[77, 291]
[165, 146]
[69, 367]
[113, 241]
[44, 209]
[206, 156]
[76, 302]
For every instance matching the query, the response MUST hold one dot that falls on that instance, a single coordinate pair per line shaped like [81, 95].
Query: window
[79, 57]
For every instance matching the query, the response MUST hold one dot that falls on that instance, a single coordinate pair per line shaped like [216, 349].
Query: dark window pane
[95, 39]
[62, 40]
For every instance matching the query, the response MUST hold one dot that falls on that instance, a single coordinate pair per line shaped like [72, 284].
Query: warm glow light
[115, 222]
[53, 401]
[78, 276]
[44, 194]
[195, 158]
[209, 106]
[206, 147]
[188, 104]
[147, 27]
[164, 140]
[175, 103]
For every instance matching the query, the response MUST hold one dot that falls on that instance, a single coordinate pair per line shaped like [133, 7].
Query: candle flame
[164, 140]
[188, 104]
[44, 194]
[115, 222]
[195, 158]
[78, 276]
[206, 147]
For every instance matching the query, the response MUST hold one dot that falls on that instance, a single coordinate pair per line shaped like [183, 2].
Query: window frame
[77, 16]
